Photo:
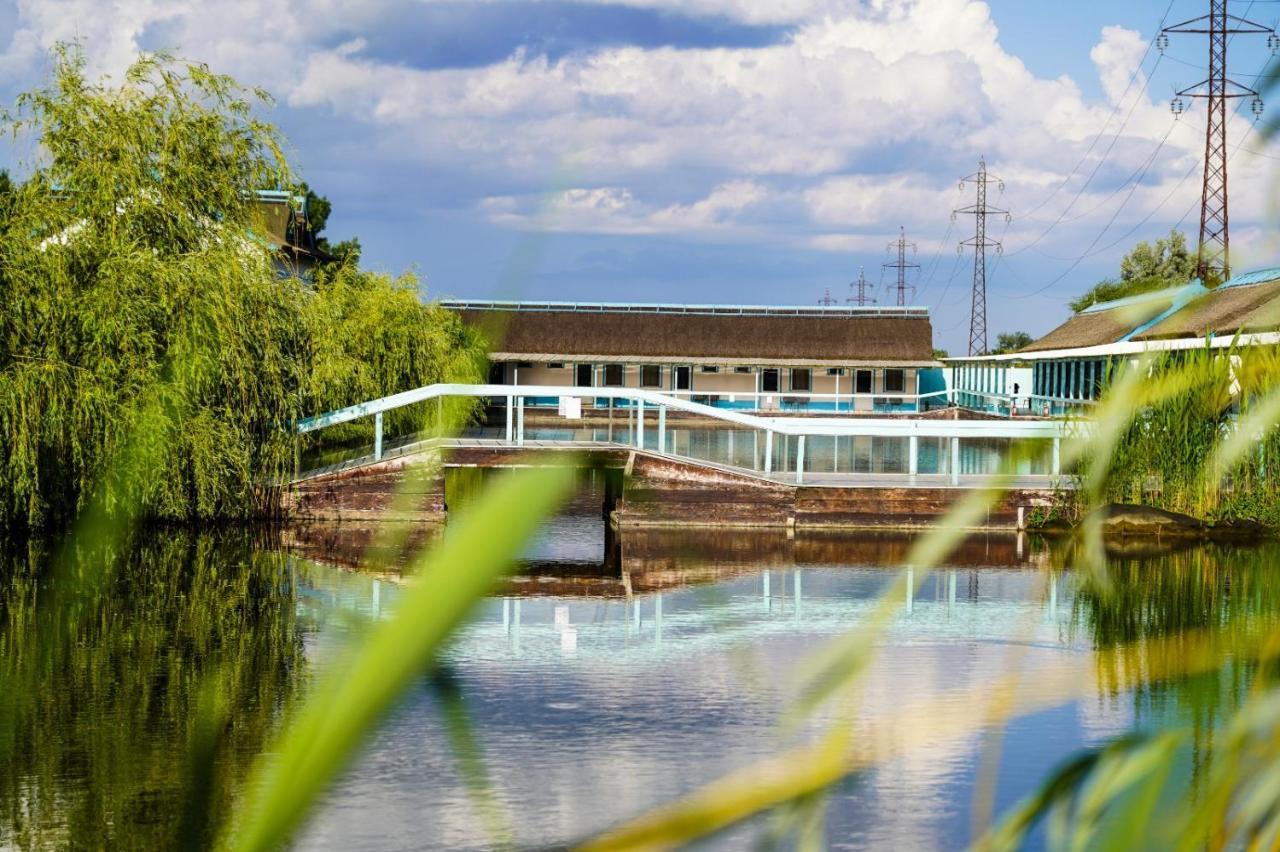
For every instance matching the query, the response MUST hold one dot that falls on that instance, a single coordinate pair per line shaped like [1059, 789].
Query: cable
[1119, 101]
[937, 256]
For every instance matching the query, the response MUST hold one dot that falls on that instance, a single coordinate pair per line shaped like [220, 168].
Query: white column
[662, 428]
[800, 460]
[511, 413]
[520, 421]
[768, 451]
[1057, 456]
[640, 424]
[913, 454]
[377, 436]
[955, 461]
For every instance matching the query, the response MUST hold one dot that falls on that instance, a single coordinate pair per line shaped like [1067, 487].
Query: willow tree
[136, 304]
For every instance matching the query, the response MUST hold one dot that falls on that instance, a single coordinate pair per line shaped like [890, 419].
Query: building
[1065, 370]
[755, 358]
[287, 232]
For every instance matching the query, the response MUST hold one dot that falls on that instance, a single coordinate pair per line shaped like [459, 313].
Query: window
[613, 375]
[583, 375]
[895, 381]
[801, 379]
[769, 381]
[650, 376]
[497, 374]
[708, 369]
[835, 371]
[743, 370]
[556, 365]
[682, 378]
[524, 365]
[862, 381]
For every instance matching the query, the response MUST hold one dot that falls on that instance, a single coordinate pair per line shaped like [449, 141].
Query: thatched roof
[1094, 327]
[1223, 312]
[724, 336]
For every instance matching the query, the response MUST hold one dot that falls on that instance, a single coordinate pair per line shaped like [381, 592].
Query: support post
[768, 451]
[439, 417]
[913, 454]
[377, 436]
[519, 421]
[640, 424]
[1057, 456]
[511, 413]
[800, 460]
[662, 429]
[955, 461]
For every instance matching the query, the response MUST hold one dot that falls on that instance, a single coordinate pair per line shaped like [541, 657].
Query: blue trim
[1261, 276]
[1181, 299]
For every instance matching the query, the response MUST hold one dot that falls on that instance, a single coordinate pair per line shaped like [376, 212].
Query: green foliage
[1165, 455]
[344, 252]
[1011, 341]
[133, 301]
[1144, 269]
[100, 688]
[939, 354]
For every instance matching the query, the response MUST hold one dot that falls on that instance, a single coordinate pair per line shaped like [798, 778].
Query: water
[590, 705]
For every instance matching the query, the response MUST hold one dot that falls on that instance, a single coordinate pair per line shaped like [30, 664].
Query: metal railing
[946, 435]
[768, 401]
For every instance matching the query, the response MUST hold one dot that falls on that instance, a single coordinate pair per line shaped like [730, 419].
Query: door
[582, 375]
[768, 381]
[684, 376]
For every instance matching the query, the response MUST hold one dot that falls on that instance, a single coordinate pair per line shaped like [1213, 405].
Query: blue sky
[717, 150]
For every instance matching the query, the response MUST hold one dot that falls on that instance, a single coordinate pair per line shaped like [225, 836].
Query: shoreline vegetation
[149, 347]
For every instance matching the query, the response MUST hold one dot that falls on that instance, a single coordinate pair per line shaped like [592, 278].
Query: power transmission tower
[979, 242]
[902, 266]
[862, 296]
[1213, 256]
[827, 300]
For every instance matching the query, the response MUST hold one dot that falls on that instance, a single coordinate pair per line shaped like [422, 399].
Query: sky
[719, 151]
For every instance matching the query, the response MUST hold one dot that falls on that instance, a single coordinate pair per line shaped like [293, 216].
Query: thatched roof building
[728, 335]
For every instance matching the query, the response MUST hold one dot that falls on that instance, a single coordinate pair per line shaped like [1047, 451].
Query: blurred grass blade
[478, 547]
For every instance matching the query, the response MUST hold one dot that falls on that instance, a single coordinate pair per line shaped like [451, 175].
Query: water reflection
[102, 741]
[613, 673]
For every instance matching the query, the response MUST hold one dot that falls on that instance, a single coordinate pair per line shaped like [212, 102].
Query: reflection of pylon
[979, 242]
[1213, 256]
[861, 297]
[902, 266]
[827, 300]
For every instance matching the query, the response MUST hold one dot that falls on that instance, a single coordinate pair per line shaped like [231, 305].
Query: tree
[1011, 341]
[939, 354]
[149, 354]
[1144, 269]
[345, 252]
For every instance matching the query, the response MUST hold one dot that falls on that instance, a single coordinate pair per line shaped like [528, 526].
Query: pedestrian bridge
[672, 461]
[903, 451]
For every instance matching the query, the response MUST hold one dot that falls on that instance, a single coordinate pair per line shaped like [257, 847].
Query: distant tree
[1011, 341]
[939, 354]
[1144, 269]
[344, 252]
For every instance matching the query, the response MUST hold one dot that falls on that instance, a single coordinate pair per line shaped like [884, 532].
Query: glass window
[835, 371]
[895, 381]
[862, 381]
[556, 365]
[801, 379]
[650, 376]
[746, 370]
[583, 375]
[708, 369]
[497, 374]
[613, 375]
[769, 381]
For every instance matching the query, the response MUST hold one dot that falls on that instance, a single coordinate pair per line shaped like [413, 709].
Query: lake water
[614, 674]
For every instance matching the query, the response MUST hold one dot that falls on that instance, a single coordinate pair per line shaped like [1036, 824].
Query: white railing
[799, 428]
[775, 400]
